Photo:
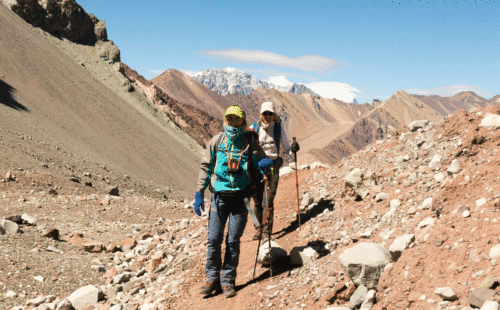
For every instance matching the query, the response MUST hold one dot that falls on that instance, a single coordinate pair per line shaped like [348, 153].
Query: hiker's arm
[207, 166]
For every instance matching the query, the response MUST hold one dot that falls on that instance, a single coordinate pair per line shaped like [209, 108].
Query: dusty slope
[53, 99]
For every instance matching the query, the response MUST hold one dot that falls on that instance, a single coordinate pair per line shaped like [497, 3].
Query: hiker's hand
[199, 203]
[295, 147]
[265, 164]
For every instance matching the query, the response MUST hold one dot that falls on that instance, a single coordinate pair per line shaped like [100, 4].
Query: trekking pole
[256, 257]
[294, 150]
[269, 229]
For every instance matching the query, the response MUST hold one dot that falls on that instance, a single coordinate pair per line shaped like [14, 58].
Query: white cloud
[280, 80]
[337, 90]
[450, 90]
[313, 63]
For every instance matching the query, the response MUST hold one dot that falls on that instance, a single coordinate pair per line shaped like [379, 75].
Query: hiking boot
[258, 233]
[228, 291]
[210, 288]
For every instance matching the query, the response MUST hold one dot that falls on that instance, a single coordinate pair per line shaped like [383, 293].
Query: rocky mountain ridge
[233, 81]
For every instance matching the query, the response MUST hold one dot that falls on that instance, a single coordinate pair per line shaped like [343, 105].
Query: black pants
[259, 203]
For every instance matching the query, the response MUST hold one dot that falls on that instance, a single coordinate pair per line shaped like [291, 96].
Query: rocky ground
[410, 222]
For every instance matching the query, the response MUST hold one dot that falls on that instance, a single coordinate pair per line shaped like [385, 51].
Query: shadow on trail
[6, 98]
[279, 267]
[305, 217]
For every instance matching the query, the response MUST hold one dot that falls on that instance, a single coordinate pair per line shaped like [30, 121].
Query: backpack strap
[277, 135]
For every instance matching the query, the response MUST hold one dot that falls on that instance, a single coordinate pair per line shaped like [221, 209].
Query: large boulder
[109, 52]
[303, 255]
[265, 256]
[84, 297]
[360, 181]
[364, 263]
[415, 125]
[64, 19]
[491, 121]
[479, 296]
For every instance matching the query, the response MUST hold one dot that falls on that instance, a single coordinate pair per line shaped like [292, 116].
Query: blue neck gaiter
[233, 133]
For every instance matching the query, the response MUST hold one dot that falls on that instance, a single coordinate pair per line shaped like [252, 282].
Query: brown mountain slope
[448, 105]
[197, 123]
[185, 89]
[48, 96]
[399, 111]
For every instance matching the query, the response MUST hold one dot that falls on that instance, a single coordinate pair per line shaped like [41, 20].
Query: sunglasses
[267, 113]
[232, 117]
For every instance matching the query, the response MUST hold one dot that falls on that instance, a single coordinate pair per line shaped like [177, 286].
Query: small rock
[454, 168]
[358, 297]
[446, 293]
[64, 305]
[112, 190]
[128, 243]
[490, 305]
[51, 233]
[399, 245]
[11, 294]
[495, 252]
[303, 255]
[489, 282]
[426, 222]
[381, 197]
[28, 219]
[481, 202]
[395, 204]
[427, 204]
[38, 278]
[9, 227]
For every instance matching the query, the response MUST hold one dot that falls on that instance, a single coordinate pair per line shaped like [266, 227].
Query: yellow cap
[235, 110]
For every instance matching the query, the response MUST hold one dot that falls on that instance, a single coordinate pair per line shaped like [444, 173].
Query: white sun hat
[267, 106]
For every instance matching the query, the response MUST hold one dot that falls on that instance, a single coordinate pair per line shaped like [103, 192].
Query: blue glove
[199, 202]
[265, 164]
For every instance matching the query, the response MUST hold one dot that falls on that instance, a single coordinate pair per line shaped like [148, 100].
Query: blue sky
[348, 49]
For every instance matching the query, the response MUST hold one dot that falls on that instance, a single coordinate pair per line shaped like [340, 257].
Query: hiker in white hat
[274, 141]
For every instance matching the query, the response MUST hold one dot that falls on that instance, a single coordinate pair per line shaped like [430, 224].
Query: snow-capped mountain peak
[230, 81]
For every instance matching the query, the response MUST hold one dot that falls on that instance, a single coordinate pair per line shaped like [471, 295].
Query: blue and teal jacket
[214, 166]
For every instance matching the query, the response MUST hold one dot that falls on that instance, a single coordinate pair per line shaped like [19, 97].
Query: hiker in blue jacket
[225, 169]
[274, 141]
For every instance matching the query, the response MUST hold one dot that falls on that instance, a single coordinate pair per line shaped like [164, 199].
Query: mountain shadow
[6, 98]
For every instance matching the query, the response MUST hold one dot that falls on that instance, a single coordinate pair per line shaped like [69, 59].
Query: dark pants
[222, 210]
[259, 203]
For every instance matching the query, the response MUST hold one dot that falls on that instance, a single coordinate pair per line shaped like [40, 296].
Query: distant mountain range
[228, 81]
